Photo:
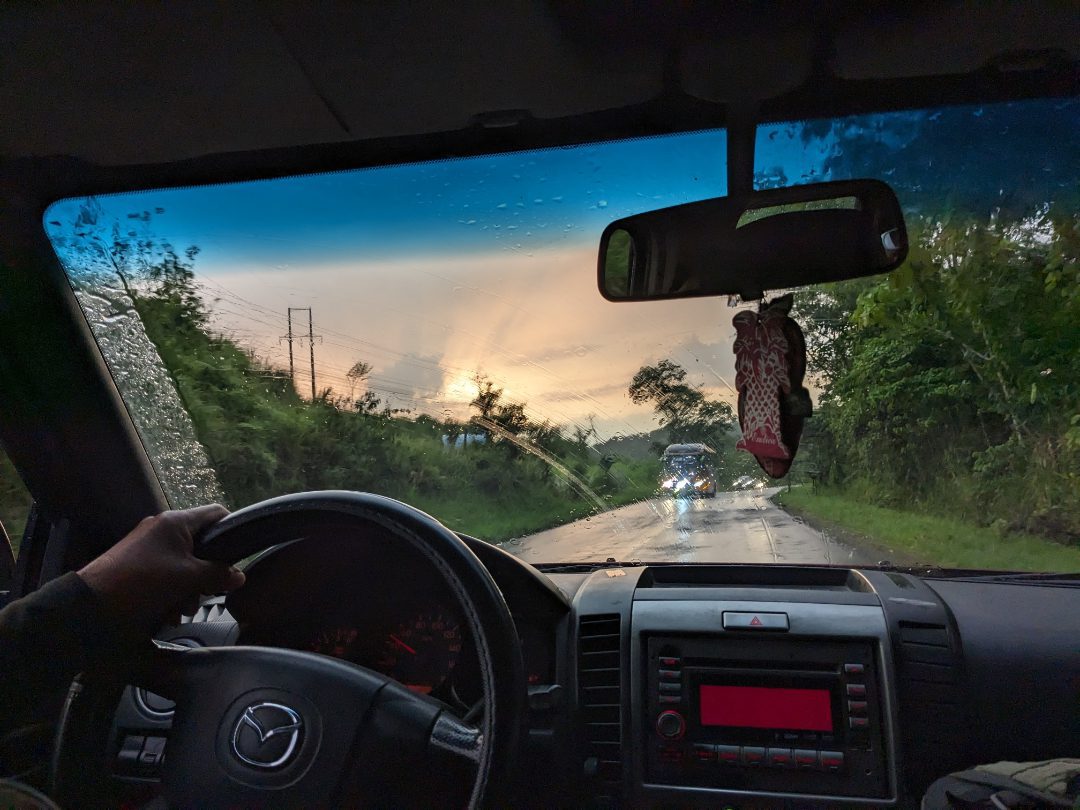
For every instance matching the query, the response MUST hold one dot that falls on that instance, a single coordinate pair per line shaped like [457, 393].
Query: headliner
[118, 83]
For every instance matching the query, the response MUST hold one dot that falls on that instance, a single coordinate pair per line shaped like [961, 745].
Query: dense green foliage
[954, 384]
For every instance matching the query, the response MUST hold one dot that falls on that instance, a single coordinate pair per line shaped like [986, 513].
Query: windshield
[433, 332]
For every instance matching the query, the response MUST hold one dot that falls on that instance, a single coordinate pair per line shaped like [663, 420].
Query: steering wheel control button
[856, 690]
[267, 735]
[806, 759]
[670, 725]
[733, 620]
[832, 760]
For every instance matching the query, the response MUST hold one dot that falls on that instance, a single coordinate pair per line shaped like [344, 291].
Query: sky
[433, 273]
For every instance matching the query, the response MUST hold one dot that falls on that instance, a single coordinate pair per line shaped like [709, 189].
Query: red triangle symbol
[755, 622]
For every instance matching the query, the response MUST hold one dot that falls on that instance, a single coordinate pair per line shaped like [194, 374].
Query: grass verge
[930, 539]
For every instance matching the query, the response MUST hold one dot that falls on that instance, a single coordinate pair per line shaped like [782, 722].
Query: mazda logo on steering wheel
[267, 735]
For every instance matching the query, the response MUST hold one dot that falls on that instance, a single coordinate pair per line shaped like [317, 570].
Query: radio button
[670, 674]
[857, 670]
[832, 760]
[668, 662]
[806, 759]
[704, 753]
[670, 725]
[857, 707]
[856, 690]
[728, 754]
[669, 699]
[752, 755]
[667, 686]
[780, 758]
[858, 723]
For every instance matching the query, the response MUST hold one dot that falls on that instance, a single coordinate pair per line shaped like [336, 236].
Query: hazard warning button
[755, 621]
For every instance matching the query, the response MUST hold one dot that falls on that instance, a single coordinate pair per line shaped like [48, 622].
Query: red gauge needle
[402, 644]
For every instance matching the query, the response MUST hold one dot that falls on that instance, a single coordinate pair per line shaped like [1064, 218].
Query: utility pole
[290, 337]
[311, 345]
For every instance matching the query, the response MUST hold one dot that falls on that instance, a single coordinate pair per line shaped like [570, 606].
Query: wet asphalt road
[741, 527]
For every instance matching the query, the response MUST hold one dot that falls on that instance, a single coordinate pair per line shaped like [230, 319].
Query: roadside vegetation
[513, 476]
[906, 537]
[951, 387]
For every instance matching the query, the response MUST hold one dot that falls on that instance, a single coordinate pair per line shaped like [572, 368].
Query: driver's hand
[151, 576]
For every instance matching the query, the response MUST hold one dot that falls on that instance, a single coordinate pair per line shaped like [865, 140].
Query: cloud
[602, 392]
[414, 381]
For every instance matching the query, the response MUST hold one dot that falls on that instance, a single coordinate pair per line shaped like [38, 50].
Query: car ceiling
[118, 84]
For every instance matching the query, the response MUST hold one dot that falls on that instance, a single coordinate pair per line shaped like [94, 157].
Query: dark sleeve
[46, 638]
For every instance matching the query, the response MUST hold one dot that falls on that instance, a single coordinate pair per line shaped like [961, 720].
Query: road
[741, 527]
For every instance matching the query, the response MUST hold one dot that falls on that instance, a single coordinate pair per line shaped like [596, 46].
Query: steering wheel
[258, 726]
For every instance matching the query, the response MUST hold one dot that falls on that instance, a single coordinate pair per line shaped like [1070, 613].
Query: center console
[770, 696]
[764, 714]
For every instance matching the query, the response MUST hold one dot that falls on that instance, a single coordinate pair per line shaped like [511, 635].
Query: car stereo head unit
[765, 714]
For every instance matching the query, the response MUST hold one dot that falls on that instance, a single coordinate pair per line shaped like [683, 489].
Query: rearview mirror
[766, 240]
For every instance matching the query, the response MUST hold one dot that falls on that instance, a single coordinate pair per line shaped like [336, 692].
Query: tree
[359, 374]
[682, 409]
[952, 383]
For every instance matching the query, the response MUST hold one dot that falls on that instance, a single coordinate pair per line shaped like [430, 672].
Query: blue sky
[529, 199]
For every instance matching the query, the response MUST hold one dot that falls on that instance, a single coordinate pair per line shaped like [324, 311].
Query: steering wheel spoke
[456, 738]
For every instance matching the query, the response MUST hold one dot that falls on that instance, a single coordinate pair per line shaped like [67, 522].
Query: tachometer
[422, 652]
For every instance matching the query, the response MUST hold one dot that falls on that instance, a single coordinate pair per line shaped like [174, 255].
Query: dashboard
[688, 685]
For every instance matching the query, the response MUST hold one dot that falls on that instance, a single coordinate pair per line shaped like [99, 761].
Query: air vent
[928, 670]
[600, 695]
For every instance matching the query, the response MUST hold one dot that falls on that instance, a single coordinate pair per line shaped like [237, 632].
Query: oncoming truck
[687, 470]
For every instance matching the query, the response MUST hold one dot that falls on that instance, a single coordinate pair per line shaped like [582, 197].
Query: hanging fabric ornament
[770, 363]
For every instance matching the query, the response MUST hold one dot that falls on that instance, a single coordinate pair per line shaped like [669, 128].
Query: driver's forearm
[46, 638]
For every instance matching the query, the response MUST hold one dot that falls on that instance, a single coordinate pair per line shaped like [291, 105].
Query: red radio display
[766, 707]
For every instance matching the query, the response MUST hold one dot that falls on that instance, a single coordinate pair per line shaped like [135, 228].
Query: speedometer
[422, 652]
